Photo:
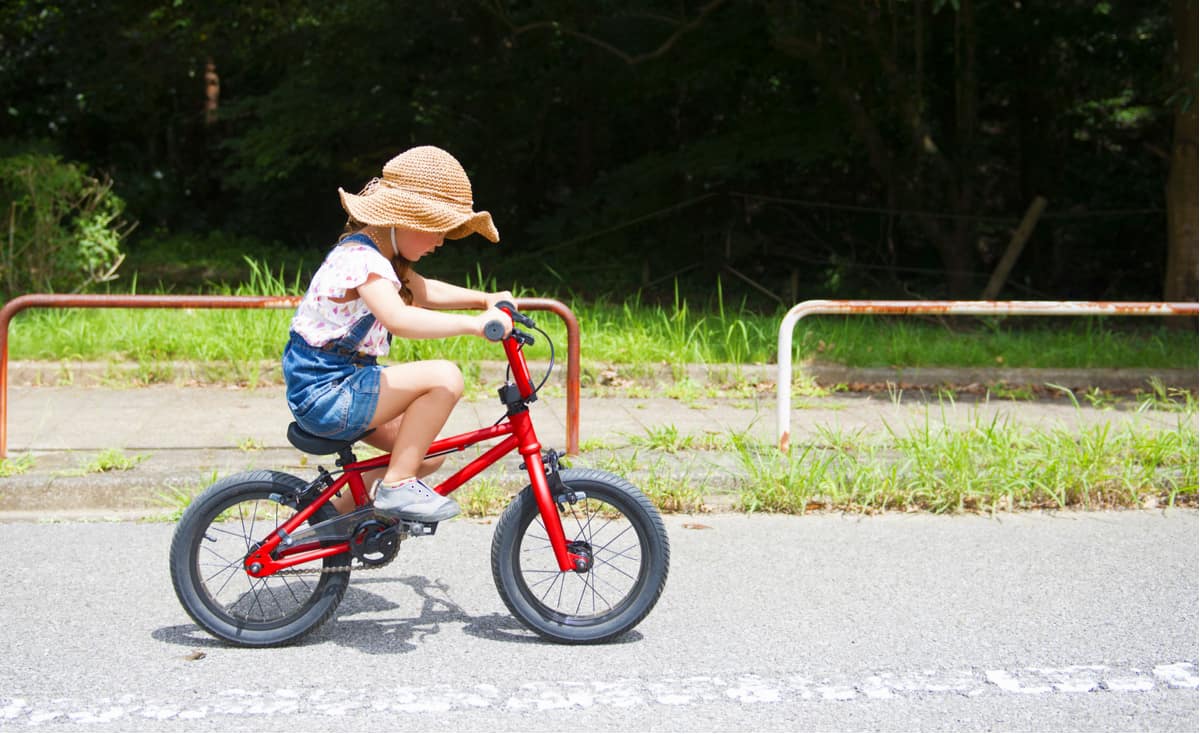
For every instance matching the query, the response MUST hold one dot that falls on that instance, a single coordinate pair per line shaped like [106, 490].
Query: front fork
[544, 480]
[545, 483]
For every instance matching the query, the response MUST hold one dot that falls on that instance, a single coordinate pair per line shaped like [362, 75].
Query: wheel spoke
[617, 569]
[232, 575]
[614, 538]
[587, 584]
[551, 576]
[214, 528]
[553, 581]
[267, 586]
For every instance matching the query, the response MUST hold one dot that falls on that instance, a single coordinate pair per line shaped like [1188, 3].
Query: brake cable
[545, 378]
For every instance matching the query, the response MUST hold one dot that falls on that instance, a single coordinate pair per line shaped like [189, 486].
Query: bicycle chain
[338, 569]
[324, 570]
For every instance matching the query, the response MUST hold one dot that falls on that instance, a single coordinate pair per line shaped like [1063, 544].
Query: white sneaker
[413, 500]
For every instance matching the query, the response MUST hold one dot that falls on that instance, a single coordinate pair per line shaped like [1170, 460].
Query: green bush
[63, 227]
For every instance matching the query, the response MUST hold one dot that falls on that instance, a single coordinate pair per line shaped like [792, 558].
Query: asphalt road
[1033, 621]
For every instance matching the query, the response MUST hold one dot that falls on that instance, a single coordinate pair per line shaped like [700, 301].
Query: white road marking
[20, 708]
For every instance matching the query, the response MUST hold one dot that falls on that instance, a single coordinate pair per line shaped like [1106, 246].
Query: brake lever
[522, 337]
[518, 318]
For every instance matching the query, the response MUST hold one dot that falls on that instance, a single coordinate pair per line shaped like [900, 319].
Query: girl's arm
[411, 322]
[431, 293]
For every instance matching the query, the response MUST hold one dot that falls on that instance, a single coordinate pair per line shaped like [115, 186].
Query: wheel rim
[619, 549]
[227, 590]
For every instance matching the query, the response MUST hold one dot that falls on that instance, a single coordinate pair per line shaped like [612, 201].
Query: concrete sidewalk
[188, 436]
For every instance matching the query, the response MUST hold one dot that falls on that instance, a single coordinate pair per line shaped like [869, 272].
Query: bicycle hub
[581, 551]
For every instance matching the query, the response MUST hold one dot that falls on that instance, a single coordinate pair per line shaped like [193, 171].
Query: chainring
[375, 543]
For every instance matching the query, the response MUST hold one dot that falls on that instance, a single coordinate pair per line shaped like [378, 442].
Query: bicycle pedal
[417, 529]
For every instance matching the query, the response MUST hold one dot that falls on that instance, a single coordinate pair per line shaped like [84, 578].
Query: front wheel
[613, 523]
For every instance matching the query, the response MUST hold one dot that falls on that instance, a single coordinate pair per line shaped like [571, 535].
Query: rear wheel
[212, 539]
[615, 525]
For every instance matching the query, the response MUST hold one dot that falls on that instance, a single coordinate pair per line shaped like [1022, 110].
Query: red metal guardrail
[52, 300]
[946, 308]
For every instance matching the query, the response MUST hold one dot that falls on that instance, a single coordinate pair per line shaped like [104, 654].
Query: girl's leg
[413, 393]
[421, 395]
[384, 438]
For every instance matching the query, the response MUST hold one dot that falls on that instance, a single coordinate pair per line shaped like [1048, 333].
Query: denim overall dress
[332, 390]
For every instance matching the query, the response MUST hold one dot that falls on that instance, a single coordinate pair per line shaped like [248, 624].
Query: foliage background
[868, 148]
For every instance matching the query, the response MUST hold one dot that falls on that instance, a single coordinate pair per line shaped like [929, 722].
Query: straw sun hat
[424, 189]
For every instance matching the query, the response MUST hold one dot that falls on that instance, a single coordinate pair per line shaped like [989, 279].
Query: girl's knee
[447, 376]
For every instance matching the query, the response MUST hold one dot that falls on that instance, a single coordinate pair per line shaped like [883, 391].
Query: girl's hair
[400, 264]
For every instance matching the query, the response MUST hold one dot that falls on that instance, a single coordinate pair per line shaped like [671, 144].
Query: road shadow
[389, 636]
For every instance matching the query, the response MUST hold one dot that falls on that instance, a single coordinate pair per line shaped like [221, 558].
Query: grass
[986, 466]
[15, 465]
[483, 497]
[670, 487]
[106, 461]
[632, 334]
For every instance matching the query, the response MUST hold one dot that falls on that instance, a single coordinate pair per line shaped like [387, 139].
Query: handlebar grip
[493, 331]
[517, 317]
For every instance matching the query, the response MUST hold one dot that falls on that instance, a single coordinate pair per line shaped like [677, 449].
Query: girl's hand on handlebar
[493, 298]
[493, 315]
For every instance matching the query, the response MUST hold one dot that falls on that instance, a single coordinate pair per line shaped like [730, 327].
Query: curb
[852, 379]
[160, 483]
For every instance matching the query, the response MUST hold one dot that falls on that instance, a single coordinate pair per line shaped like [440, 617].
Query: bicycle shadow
[383, 636]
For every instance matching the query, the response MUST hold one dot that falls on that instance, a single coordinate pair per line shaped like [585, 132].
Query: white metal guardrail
[947, 308]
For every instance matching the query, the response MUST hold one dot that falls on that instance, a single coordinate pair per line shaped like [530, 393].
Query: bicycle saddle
[310, 444]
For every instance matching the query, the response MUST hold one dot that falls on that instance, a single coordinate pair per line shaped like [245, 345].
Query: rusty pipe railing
[54, 300]
[783, 403]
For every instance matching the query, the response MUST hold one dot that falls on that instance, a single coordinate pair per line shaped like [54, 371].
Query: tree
[860, 148]
[1182, 192]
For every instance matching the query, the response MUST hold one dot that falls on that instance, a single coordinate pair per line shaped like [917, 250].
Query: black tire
[631, 556]
[212, 538]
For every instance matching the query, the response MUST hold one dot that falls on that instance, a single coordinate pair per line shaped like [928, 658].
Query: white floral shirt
[320, 319]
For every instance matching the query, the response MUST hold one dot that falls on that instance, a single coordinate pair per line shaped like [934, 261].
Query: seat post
[346, 455]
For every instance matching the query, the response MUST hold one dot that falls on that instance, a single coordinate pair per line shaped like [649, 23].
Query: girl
[365, 292]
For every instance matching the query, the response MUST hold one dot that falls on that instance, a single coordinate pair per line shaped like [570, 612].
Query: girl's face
[414, 245]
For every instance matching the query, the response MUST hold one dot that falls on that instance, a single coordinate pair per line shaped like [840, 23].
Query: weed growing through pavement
[482, 498]
[177, 498]
[114, 460]
[14, 465]
[593, 444]
[1011, 393]
[663, 438]
[249, 444]
[106, 461]
[1163, 398]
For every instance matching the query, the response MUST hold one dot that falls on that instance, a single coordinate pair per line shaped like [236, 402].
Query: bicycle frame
[517, 432]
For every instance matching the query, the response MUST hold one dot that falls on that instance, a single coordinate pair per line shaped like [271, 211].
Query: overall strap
[348, 344]
[362, 238]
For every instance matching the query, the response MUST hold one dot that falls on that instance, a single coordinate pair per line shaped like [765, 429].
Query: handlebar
[494, 330]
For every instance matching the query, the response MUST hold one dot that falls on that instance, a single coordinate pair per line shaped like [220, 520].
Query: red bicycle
[580, 555]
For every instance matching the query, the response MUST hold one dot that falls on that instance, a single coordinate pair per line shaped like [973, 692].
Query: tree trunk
[1181, 274]
[961, 260]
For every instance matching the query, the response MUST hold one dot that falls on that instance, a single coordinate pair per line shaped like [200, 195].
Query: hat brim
[387, 207]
